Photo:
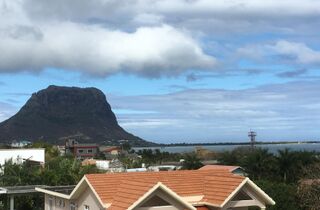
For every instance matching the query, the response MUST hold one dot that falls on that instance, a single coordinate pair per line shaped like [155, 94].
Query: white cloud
[6, 111]
[148, 51]
[286, 110]
[151, 38]
[207, 15]
[282, 51]
[300, 52]
[105, 9]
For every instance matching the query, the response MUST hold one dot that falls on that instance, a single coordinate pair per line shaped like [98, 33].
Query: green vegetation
[286, 176]
[149, 157]
[57, 171]
[191, 161]
[290, 178]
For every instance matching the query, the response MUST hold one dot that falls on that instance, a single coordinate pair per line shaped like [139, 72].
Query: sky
[172, 70]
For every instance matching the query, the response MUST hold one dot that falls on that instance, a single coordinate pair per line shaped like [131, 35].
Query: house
[20, 144]
[112, 151]
[232, 169]
[166, 190]
[19, 156]
[80, 150]
[163, 168]
[100, 164]
[136, 170]
[116, 166]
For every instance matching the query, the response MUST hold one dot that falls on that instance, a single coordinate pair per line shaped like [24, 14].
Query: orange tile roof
[109, 149]
[219, 167]
[123, 189]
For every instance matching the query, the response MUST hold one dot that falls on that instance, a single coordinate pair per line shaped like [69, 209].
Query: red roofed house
[169, 190]
[232, 169]
[112, 150]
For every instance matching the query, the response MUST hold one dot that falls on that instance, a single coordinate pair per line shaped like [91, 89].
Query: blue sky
[173, 70]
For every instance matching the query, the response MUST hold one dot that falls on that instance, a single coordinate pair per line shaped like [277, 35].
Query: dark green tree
[191, 161]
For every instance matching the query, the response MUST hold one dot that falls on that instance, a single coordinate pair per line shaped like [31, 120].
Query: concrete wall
[57, 203]
[89, 199]
[86, 198]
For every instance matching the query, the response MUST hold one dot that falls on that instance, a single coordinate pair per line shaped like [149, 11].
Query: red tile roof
[110, 149]
[219, 167]
[123, 189]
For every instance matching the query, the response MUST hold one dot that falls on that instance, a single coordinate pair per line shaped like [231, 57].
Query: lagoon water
[218, 148]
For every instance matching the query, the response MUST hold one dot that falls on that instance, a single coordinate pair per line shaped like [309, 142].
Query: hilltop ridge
[58, 113]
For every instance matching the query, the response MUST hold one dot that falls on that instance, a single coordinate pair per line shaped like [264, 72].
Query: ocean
[219, 148]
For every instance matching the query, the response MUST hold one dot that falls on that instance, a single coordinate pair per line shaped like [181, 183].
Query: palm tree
[286, 161]
[259, 163]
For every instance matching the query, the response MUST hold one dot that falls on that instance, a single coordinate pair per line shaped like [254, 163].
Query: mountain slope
[57, 113]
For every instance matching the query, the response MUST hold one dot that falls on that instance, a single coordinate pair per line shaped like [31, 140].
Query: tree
[126, 146]
[283, 194]
[309, 188]
[286, 162]
[259, 163]
[191, 161]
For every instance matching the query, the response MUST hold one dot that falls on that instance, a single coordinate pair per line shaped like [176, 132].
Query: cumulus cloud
[150, 38]
[217, 113]
[148, 51]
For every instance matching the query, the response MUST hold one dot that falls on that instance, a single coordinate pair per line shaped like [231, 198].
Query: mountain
[59, 113]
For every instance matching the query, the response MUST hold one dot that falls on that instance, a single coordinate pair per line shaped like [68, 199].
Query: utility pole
[252, 135]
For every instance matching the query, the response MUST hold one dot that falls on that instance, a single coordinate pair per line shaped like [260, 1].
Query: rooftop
[219, 167]
[213, 187]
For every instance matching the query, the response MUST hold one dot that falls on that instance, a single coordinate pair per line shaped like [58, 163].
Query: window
[61, 203]
[89, 150]
[73, 206]
[80, 150]
[86, 207]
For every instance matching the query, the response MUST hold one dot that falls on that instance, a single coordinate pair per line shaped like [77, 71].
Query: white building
[20, 144]
[21, 155]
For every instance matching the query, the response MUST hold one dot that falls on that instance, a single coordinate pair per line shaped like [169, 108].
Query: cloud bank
[275, 111]
[149, 38]
[150, 51]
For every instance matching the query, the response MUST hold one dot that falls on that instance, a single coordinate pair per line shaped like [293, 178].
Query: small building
[100, 164]
[9, 193]
[19, 156]
[20, 144]
[232, 169]
[205, 153]
[136, 170]
[81, 150]
[163, 168]
[169, 190]
[62, 150]
[112, 151]
[116, 166]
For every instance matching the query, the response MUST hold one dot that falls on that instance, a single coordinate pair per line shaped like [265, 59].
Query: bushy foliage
[281, 175]
[57, 171]
[191, 161]
[149, 156]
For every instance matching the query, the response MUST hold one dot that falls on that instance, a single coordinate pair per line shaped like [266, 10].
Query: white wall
[17, 155]
[102, 164]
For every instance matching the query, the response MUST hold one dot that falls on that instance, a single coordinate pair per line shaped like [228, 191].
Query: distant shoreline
[237, 143]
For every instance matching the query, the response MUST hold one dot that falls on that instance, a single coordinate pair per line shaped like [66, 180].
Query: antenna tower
[252, 135]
